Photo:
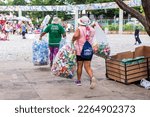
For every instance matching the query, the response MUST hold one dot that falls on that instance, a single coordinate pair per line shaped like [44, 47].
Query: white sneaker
[145, 84]
[93, 83]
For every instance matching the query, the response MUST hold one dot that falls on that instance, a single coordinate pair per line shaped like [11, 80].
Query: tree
[144, 19]
[19, 2]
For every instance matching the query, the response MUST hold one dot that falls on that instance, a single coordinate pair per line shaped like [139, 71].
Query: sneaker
[24, 38]
[140, 43]
[78, 83]
[93, 83]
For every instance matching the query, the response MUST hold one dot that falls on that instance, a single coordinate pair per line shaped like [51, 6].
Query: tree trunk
[146, 8]
[145, 20]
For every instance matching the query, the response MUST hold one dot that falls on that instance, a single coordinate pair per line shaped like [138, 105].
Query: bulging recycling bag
[65, 62]
[45, 21]
[62, 43]
[40, 52]
[100, 44]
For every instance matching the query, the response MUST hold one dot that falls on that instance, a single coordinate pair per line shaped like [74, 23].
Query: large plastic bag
[65, 62]
[45, 21]
[100, 44]
[62, 43]
[40, 52]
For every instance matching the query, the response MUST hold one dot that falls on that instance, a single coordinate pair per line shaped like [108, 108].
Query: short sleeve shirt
[23, 28]
[55, 34]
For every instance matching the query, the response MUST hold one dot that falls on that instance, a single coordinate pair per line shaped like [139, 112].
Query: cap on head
[56, 20]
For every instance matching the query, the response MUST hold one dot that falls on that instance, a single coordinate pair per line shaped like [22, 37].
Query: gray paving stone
[20, 80]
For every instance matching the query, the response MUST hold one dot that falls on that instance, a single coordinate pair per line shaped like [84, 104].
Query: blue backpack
[87, 50]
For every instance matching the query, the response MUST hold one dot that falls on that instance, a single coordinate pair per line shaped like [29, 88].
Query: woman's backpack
[87, 50]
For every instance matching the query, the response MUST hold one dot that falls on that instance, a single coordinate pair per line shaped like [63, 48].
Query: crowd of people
[8, 25]
[19, 28]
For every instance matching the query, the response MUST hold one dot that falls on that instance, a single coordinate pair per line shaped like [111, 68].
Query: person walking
[56, 31]
[1, 28]
[136, 34]
[23, 29]
[7, 30]
[84, 32]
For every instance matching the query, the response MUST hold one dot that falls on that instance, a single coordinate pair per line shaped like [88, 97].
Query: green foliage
[109, 13]
[131, 27]
[19, 2]
[141, 27]
[64, 15]
[113, 27]
[128, 27]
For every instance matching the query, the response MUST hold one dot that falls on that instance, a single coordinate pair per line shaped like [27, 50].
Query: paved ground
[19, 79]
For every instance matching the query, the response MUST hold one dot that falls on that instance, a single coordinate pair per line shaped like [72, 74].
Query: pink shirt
[80, 42]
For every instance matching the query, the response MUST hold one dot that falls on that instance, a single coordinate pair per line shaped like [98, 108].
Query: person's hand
[40, 38]
[64, 38]
[72, 41]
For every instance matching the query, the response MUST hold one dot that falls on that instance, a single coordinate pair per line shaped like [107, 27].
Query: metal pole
[19, 12]
[120, 21]
[76, 18]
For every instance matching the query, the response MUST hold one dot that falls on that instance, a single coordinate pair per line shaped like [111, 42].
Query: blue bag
[40, 52]
[87, 51]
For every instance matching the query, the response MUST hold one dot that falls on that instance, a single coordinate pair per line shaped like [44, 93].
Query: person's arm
[42, 34]
[76, 35]
[62, 30]
[64, 35]
[45, 31]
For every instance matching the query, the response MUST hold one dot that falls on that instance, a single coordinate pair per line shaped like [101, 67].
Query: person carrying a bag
[82, 40]
[56, 31]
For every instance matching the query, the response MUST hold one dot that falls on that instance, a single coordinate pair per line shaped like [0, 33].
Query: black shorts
[79, 58]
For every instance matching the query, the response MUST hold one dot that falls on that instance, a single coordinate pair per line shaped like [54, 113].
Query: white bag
[100, 44]
[62, 43]
[145, 83]
[45, 21]
[65, 62]
[100, 36]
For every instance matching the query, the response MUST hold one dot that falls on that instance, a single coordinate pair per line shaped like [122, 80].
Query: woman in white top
[7, 30]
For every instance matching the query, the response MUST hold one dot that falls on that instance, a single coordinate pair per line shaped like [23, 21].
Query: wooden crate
[127, 73]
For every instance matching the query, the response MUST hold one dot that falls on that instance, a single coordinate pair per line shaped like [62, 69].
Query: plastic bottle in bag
[62, 43]
[40, 52]
[100, 43]
[65, 62]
